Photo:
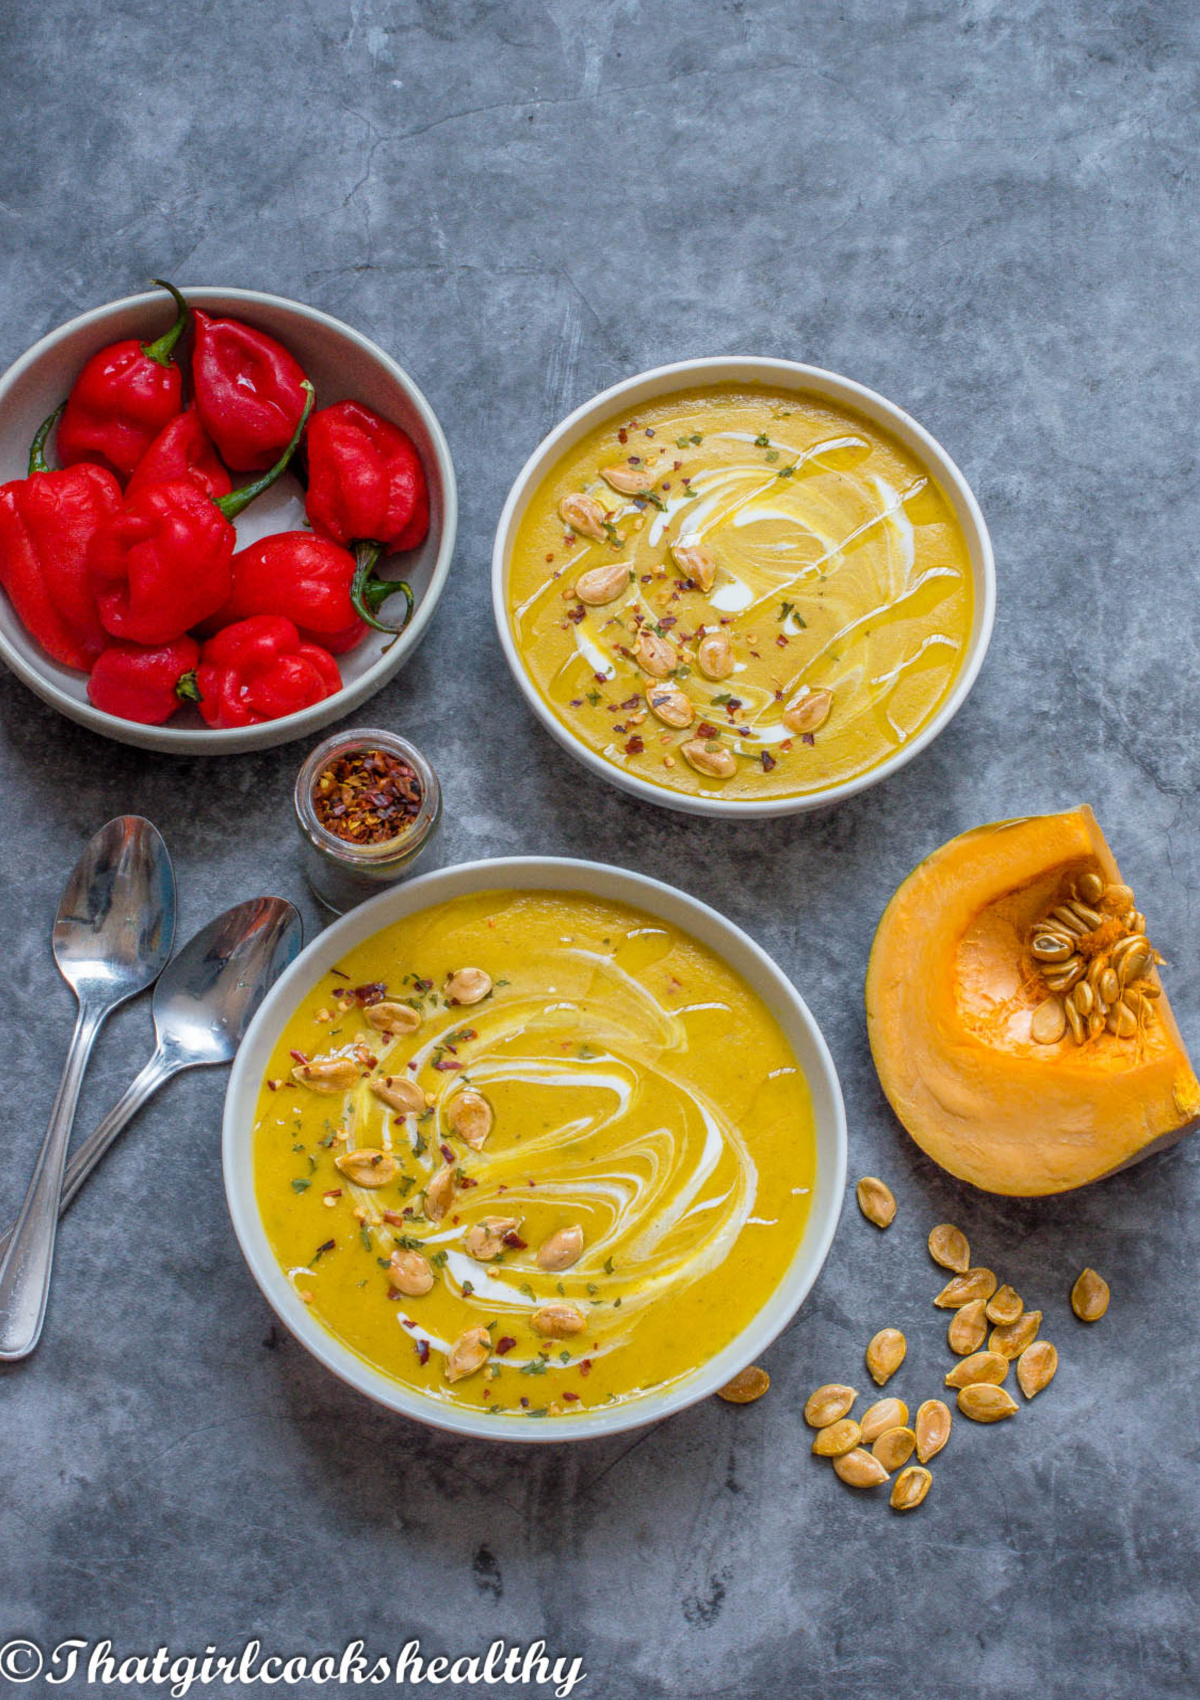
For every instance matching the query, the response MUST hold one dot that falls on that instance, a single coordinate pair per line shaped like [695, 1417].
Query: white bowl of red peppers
[225, 519]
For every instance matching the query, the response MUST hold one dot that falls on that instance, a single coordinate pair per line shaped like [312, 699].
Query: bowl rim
[229, 740]
[564, 873]
[794, 374]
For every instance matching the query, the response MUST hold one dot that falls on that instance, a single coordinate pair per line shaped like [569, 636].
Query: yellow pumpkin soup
[741, 593]
[534, 1152]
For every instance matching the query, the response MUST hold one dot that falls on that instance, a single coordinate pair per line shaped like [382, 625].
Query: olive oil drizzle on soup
[640, 1188]
[840, 598]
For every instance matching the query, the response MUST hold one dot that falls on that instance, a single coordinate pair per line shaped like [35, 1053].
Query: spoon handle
[85, 1159]
[26, 1265]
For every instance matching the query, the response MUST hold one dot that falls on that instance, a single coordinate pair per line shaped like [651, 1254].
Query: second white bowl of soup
[742, 586]
[534, 1149]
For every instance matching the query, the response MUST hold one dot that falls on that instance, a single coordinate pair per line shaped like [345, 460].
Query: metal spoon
[203, 1004]
[112, 937]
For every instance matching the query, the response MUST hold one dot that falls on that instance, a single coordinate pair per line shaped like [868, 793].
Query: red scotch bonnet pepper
[329, 595]
[162, 563]
[365, 479]
[182, 453]
[146, 685]
[47, 524]
[122, 399]
[250, 392]
[261, 669]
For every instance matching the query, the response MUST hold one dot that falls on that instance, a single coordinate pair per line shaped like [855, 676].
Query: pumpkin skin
[950, 995]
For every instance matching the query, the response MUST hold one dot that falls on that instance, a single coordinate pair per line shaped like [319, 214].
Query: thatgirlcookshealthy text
[99, 1663]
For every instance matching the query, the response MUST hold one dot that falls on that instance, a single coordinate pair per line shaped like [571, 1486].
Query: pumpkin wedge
[1015, 1013]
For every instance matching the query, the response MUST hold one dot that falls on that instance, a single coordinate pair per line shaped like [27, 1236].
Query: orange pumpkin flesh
[951, 991]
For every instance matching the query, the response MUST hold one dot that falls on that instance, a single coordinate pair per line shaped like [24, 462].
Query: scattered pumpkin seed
[859, 1469]
[984, 1402]
[881, 1416]
[910, 1488]
[1011, 1339]
[980, 1366]
[876, 1201]
[1090, 1296]
[839, 1437]
[948, 1246]
[1036, 1367]
[747, 1385]
[885, 1354]
[932, 1428]
[963, 1289]
[968, 1328]
[894, 1447]
[1004, 1306]
[828, 1403]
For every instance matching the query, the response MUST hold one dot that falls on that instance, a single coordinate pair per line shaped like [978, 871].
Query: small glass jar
[342, 873]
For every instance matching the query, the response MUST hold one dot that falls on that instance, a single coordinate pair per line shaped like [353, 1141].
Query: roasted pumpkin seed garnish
[876, 1201]
[910, 1488]
[1004, 1306]
[964, 1289]
[885, 1354]
[859, 1469]
[980, 1366]
[984, 1402]
[968, 1328]
[932, 1428]
[1090, 1296]
[747, 1385]
[948, 1246]
[839, 1437]
[882, 1415]
[1036, 1367]
[1012, 1339]
[828, 1403]
[894, 1447]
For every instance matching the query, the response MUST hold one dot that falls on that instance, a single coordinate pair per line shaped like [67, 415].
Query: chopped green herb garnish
[762, 441]
[593, 697]
[365, 1235]
[535, 1366]
[301, 1185]
[608, 1265]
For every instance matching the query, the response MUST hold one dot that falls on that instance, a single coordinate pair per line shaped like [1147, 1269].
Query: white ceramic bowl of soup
[777, 374]
[343, 365]
[748, 959]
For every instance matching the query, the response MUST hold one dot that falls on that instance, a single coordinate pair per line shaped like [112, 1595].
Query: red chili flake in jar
[367, 797]
[514, 1240]
[447, 1152]
[635, 746]
[705, 730]
[504, 1344]
[298, 1056]
[807, 738]
[585, 1366]
[768, 761]
[572, 1397]
[423, 1352]
[622, 435]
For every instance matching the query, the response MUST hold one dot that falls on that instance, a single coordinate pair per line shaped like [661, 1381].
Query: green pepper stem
[368, 593]
[187, 689]
[238, 500]
[162, 349]
[37, 449]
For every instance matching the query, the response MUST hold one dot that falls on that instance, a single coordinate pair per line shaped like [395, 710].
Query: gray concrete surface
[986, 211]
